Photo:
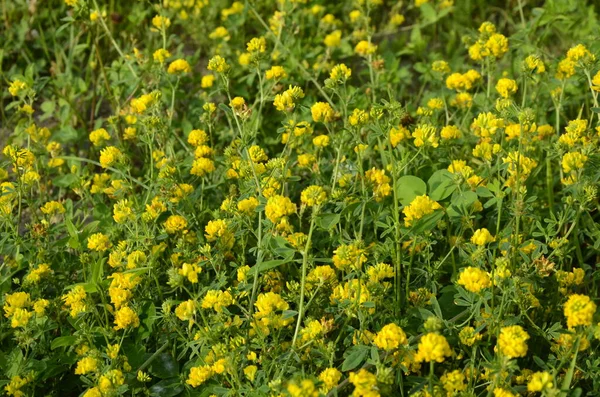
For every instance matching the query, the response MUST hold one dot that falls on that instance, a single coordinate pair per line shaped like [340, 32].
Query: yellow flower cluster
[268, 315]
[579, 310]
[217, 300]
[349, 256]
[512, 341]
[313, 196]
[425, 135]
[380, 182]
[461, 82]
[474, 279]
[279, 207]
[286, 101]
[75, 300]
[391, 337]
[482, 237]
[365, 383]
[489, 43]
[433, 347]
[322, 111]
[418, 208]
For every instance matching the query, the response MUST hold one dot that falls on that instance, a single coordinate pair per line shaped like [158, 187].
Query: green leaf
[62, 341]
[408, 187]
[428, 12]
[64, 180]
[328, 221]
[164, 366]
[288, 314]
[441, 185]
[428, 222]
[355, 356]
[268, 265]
[48, 106]
[167, 388]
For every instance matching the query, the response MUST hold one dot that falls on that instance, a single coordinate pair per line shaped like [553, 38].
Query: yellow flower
[237, 103]
[218, 64]
[99, 136]
[40, 305]
[185, 310]
[75, 300]
[330, 378]
[36, 274]
[533, 62]
[418, 208]
[109, 156]
[20, 318]
[139, 105]
[248, 206]
[275, 73]
[433, 347]
[125, 317]
[257, 44]
[380, 182]
[580, 53]
[482, 237]
[398, 135]
[17, 87]
[86, 365]
[278, 207]
[175, 223]
[506, 87]
[474, 279]
[497, 44]
[286, 101]
[390, 337]
[364, 48]
[98, 242]
[313, 195]
[425, 135]
[334, 39]
[110, 381]
[349, 255]
[161, 55]
[160, 22]
[305, 389]
[500, 392]
[485, 125]
[468, 336]
[579, 310]
[217, 300]
[340, 73]
[540, 381]
[573, 161]
[218, 230]
[250, 372]
[197, 137]
[358, 117]
[122, 211]
[13, 388]
[365, 383]
[512, 341]
[440, 67]
[179, 66]
[454, 381]
[596, 82]
[52, 208]
[93, 392]
[321, 141]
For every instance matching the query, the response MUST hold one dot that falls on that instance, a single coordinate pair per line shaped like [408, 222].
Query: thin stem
[303, 280]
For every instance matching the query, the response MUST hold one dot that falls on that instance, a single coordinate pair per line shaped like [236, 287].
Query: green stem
[303, 280]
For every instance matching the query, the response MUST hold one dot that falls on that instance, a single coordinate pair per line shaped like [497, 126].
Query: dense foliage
[299, 198]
